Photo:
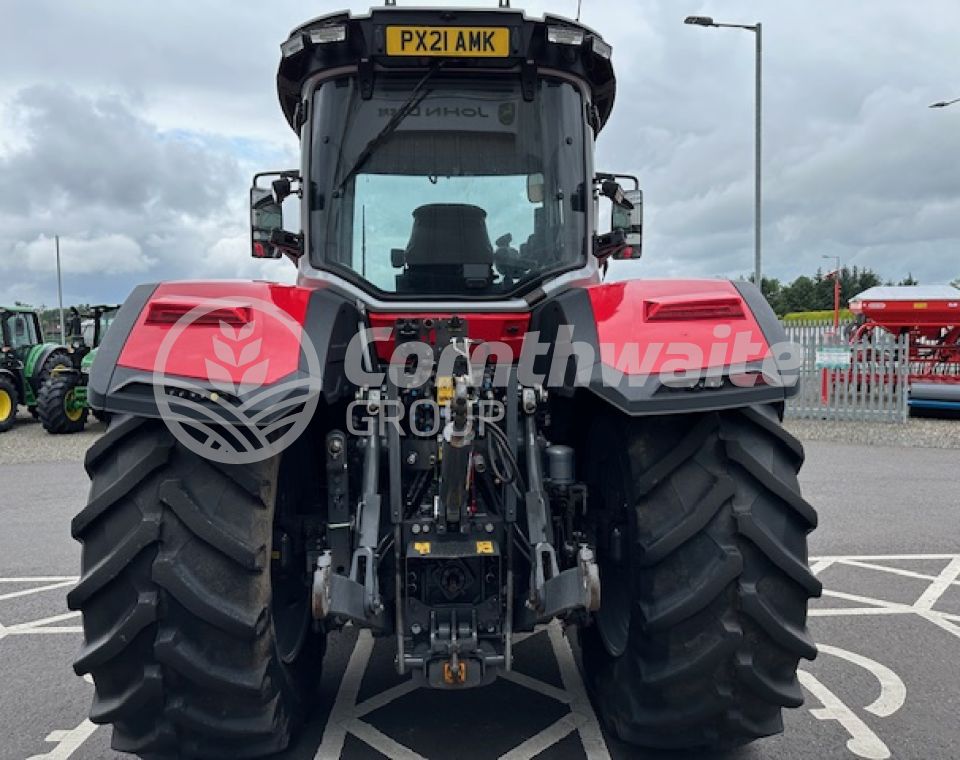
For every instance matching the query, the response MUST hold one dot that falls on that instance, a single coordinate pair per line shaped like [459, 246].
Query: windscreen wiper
[416, 96]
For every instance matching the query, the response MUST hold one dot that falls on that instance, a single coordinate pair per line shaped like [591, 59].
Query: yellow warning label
[444, 390]
[919, 305]
[421, 547]
[484, 547]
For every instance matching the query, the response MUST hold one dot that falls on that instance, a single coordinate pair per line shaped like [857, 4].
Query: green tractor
[26, 361]
[62, 401]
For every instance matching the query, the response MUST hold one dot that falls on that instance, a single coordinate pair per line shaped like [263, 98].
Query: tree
[800, 295]
[909, 280]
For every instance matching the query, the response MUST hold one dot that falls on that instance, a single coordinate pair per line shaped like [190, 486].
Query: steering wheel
[508, 260]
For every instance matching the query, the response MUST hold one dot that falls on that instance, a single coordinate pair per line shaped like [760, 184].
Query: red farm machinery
[929, 317]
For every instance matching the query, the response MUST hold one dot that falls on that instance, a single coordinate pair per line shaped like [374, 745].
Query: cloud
[117, 254]
[139, 136]
[95, 151]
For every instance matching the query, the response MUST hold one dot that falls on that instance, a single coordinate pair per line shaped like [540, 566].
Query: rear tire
[703, 620]
[58, 359]
[8, 403]
[55, 405]
[176, 594]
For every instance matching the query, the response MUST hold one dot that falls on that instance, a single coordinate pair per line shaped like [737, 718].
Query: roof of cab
[364, 47]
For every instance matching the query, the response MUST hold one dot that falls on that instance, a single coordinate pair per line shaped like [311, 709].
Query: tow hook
[590, 575]
[320, 598]
[454, 671]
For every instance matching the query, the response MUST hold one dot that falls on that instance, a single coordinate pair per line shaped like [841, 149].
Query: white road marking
[591, 736]
[855, 611]
[879, 603]
[49, 630]
[384, 698]
[67, 742]
[548, 690]
[35, 590]
[863, 742]
[892, 570]
[70, 741]
[34, 626]
[345, 715]
[335, 732]
[820, 565]
[943, 621]
[893, 693]
[542, 741]
[381, 742]
[936, 589]
[881, 557]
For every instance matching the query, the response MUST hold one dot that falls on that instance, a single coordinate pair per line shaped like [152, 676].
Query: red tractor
[451, 429]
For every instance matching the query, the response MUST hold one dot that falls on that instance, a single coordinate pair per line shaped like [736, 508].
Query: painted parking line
[934, 574]
[67, 742]
[924, 604]
[346, 715]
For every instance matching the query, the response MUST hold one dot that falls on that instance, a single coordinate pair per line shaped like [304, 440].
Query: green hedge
[816, 316]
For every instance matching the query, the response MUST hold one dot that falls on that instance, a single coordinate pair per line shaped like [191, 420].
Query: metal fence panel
[866, 381]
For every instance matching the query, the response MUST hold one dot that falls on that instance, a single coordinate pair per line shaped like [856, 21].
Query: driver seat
[449, 250]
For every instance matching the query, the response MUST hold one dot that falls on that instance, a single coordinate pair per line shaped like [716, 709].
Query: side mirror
[629, 221]
[266, 216]
[268, 239]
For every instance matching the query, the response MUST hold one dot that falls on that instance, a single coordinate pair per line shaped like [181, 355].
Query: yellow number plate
[449, 41]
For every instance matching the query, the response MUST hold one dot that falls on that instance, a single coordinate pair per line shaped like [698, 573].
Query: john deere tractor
[62, 401]
[451, 429]
[26, 361]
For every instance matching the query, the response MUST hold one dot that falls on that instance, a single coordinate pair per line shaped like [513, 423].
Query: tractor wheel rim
[71, 408]
[6, 405]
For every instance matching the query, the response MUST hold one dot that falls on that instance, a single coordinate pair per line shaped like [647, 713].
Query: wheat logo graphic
[233, 415]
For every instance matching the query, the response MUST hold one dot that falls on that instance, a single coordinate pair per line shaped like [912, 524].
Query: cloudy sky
[131, 130]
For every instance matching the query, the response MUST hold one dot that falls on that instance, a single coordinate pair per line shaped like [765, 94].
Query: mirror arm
[601, 176]
[608, 244]
[283, 186]
[288, 243]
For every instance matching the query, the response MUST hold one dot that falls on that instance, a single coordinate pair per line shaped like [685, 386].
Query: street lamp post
[944, 103]
[836, 292]
[757, 29]
[63, 331]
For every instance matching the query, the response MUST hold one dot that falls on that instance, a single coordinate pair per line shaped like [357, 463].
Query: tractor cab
[20, 331]
[92, 325]
[26, 361]
[62, 399]
[446, 154]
